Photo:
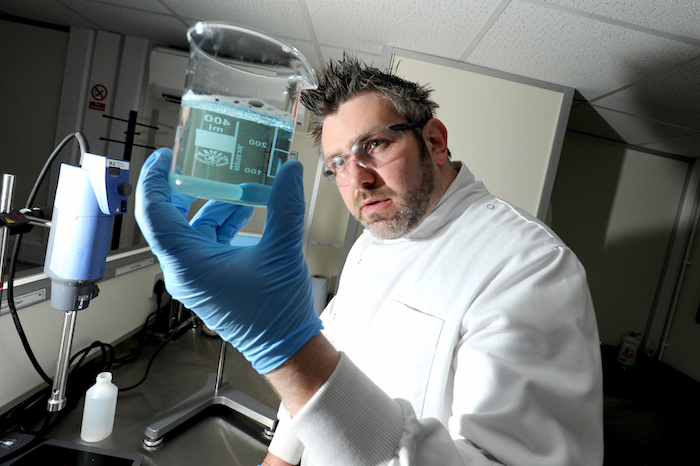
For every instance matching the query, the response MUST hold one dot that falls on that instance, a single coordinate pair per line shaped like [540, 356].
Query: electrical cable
[134, 353]
[153, 358]
[32, 410]
[15, 252]
[18, 414]
[84, 148]
[159, 289]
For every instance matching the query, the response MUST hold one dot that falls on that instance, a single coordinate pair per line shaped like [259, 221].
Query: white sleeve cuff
[285, 445]
[350, 419]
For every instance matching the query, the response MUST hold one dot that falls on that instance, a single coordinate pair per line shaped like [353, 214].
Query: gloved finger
[221, 221]
[183, 202]
[284, 224]
[160, 221]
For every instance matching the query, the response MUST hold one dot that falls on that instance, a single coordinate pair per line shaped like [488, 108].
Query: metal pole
[58, 398]
[8, 189]
[220, 368]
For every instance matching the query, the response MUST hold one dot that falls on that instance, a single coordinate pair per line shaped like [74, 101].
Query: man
[462, 332]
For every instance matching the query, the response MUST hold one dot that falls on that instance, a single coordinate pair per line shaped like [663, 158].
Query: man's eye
[374, 145]
[335, 163]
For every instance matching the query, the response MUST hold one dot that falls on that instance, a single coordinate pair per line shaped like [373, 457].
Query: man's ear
[435, 136]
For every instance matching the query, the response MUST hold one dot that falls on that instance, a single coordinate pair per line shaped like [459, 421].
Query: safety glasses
[372, 150]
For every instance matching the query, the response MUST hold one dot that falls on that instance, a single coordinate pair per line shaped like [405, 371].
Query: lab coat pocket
[397, 351]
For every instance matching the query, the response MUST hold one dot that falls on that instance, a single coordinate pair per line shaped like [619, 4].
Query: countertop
[182, 368]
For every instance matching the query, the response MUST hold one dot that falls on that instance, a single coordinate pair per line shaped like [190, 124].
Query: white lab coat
[470, 341]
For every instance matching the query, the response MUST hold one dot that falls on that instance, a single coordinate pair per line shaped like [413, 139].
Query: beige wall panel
[502, 130]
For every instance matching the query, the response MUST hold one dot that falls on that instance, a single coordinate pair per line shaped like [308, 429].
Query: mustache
[375, 192]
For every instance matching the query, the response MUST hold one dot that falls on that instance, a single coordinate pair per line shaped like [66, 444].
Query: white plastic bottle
[627, 354]
[100, 408]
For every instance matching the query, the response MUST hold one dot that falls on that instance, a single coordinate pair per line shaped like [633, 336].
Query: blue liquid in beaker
[227, 152]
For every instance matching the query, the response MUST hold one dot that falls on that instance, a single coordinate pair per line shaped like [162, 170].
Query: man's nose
[360, 175]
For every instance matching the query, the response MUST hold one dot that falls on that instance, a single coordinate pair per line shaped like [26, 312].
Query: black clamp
[22, 221]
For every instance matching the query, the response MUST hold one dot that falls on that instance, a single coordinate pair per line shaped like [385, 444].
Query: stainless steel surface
[227, 397]
[217, 392]
[58, 391]
[183, 367]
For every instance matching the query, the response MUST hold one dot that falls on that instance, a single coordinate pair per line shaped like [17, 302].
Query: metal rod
[126, 121]
[37, 222]
[220, 368]
[58, 391]
[8, 189]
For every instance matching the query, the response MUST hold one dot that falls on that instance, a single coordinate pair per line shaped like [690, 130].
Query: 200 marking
[256, 143]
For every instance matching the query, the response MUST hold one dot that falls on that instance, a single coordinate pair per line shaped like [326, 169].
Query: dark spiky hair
[341, 80]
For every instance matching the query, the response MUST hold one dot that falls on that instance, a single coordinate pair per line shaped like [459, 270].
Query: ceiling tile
[148, 5]
[51, 12]
[627, 57]
[591, 56]
[335, 53]
[308, 50]
[678, 17]
[426, 26]
[673, 96]
[283, 18]
[163, 30]
[158, 27]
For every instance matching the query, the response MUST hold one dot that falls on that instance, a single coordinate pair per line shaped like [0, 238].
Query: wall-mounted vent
[167, 69]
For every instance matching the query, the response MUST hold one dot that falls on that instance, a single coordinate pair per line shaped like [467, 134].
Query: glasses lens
[376, 146]
[331, 176]
[372, 150]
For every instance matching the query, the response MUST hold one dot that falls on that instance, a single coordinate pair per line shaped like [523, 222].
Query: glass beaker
[237, 114]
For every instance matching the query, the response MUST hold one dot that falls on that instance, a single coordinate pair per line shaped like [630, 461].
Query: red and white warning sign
[98, 93]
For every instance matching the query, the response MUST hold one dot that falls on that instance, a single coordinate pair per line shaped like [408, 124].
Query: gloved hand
[221, 221]
[214, 219]
[258, 297]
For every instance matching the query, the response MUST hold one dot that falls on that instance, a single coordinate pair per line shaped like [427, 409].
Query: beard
[413, 206]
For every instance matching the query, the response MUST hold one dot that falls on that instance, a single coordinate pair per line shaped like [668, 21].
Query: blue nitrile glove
[258, 297]
[221, 221]
[183, 202]
[214, 219]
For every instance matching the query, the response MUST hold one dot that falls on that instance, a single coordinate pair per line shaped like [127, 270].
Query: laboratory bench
[181, 369]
